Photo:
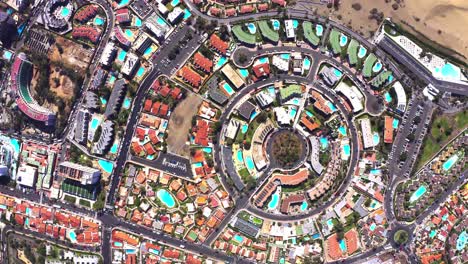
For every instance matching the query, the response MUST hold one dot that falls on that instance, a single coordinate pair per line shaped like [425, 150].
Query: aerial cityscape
[233, 131]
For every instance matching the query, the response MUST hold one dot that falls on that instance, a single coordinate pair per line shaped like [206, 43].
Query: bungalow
[246, 9]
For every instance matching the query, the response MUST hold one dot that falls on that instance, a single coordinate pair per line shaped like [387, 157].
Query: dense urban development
[228, 131]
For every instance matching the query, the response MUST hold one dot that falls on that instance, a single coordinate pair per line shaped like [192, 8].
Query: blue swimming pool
[293, 112]
[98, 21]
[148, 51]
[107, 166]
[319, 30]
[263, 60]
[295, 23]
[377, 67]
[433, 233]
[252, 28]
[198, 165]
[306, 63]
[244, 73]
[343, 40]
[309, 114]
[129, 33]
[347, 149]
[450, 162]
[304, 206]
[249, 163]
[161, 21]
[238, 239]
[244, 128]
[140, 72]
[127, 103]
[285, 56]
[331, 106]
[207, 150]
[166, 198]
[337, 73]
[112, 79]
[395, 123]
[418, 193]
[123, 2]
[138, 22]
[330, 224]
[228, 88]
[342, 131]
[187, 14]
[343, 245]
[276, 24]
[362, 52]
[114, 148]
[220, 63]
[274, 201]
[461, 241]
[253, 115]
[449, 71]
[72, 236]
[239, 156]
[118, 244]
[94, 123]
[65, 11]
[388, 97]
[372, 227]
[323, 142]
[376, 138]
[375, 171]
[7, 55]
[174, 3]
[122, 55]
[16, 145]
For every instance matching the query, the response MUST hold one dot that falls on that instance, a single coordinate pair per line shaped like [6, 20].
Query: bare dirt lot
[70, 53]
[180, 124]
[442, 21]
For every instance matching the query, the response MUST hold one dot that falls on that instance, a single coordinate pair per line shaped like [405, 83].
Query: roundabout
[287, 149]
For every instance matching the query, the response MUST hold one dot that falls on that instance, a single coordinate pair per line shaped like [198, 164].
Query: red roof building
[246, 9]
[147, 106]
[261, 70]
[214, 11]
[262, 7]
[279, 2]
[85, 14]
[123, 16]
[231, 12]
[202, 62]
[90, 33]
[218, 44]
[190, 76]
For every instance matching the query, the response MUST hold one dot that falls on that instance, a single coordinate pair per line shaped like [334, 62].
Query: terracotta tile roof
[190, 76]
[246, 9]
[388, 132]
[202, 62]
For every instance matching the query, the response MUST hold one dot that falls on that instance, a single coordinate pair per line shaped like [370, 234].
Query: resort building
[202, 63]
[218, 44]
[116, 98]
[130, 64]
[176, 14]
[104, 142]
[289, 28]
[108, 55]
[401, 97]
[232, 76]
[264, 98]
[190, 76]
[281, 64]
[315, 155]
[330, 76]
[352, 94]
[232, 128]
[84, 175]
[366, 133]
[57, 15]
[81, 126]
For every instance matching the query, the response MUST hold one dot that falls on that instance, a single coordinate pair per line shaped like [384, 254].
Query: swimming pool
[249, 163]
[148, 51]
[347, 149]
[166, 198]
[433, 233]
[114, 148]
[107, 166]
[140, 72]
[252, 28]
[274, 201]
[16, 145]
[129, 33]
[292, 112]
[376, 138]
[207, 150]
[263, 60]
[450, 162]
[244, 128]
[228, 88]
[94, 123]
[295, 23]
[331, 106]
[272, 91]
[7, 55]
[323, 142]
[319, 30]
[127, 103]
[244, 73]
[285, 56]
[253, 115]
[174, 3]
[343, 245]
[123, 2]
[118, 244]
[330, 224]
[343, 40]
[161, 21]
[239, 156]
[238, 239]
[337, 73]
[198, 165]
[72, 236]
[122, 55]
[418, 193]
[362, 52]
[220, 63]
[187, 14]
[112, 79]
[395, 123]
[138, 22]
[65, 11]
[377, 67]
[304, 206]
[98, 21]
[372, 227]
[461, 241]
[306, 63]
[375, 171]
[276, 24]
[448, 71]
[309, 114]
[388, 97]
[342, 131]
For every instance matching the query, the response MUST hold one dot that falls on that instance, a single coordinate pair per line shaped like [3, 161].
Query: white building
[108, 54]
[232, 128]
[264, 98]
[280, 63]
[366, 133]
[26, 176]
[130, 64]
[289, 28]
[84, 175]
[314, 155]
[353, 95]
[175, 15]
[401, 96]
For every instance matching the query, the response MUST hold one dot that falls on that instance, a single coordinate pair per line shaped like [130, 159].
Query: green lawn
[267, 31]
[353, 51]
[335, 41]
[309, 33]
[243, 36]
[368, 65]
[442, 130]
